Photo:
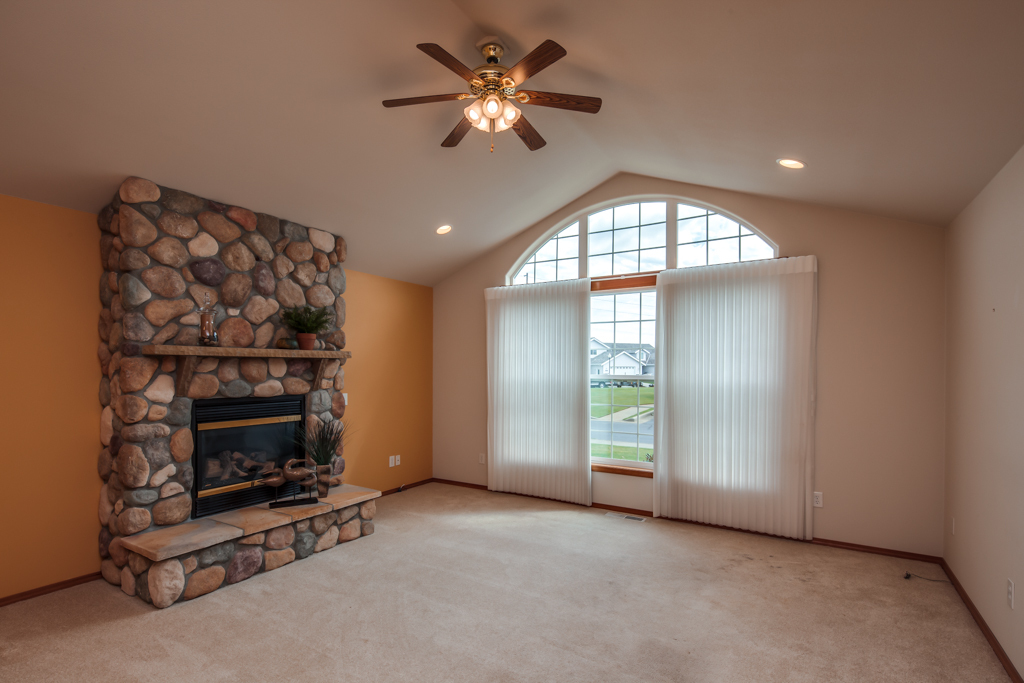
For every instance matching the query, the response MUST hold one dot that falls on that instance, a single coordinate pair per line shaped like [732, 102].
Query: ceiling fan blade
[542, 57]
[405, 102]
[441, 55]
[459, 132]
[528, 134]
[587, 105]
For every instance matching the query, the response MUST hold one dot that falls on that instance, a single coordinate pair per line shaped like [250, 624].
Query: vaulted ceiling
[904, 109]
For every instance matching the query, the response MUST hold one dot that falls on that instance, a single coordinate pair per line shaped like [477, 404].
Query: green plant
[308, 319]
[321, 442]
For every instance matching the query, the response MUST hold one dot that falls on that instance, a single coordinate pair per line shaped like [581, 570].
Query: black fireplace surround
[237, 441]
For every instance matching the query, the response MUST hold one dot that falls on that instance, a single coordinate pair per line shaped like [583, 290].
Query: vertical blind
[734, 395]
[538, 390]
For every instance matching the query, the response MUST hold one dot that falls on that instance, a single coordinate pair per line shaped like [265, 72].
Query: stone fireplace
[187, 430]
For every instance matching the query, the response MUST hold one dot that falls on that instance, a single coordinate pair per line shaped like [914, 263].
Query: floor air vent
[632, 518]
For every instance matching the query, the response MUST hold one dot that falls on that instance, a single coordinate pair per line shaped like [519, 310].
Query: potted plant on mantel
[307, 323]
[321, 443]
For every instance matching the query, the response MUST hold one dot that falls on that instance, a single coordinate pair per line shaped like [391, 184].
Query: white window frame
[671, 236]
[623, 378]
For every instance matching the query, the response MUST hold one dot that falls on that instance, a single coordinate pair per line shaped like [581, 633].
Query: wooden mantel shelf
[191, 354]
[232, 352]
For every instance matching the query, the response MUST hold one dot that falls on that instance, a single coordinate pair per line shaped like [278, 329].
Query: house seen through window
[629, 239]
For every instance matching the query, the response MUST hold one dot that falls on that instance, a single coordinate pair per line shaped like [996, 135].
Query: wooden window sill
[620, 469]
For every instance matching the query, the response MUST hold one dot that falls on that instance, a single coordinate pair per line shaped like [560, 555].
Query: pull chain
[492, 136]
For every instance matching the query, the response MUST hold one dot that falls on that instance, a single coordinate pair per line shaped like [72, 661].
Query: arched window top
[557, 259]
[643, 236]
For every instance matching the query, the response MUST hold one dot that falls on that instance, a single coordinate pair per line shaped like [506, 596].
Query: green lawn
[623, 396]
[602, 450]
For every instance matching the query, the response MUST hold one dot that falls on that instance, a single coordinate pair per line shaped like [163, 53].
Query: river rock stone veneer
[163, 252]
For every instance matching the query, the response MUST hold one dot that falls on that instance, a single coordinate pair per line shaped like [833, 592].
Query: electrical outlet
[483, 459]
[1009, 593]
[398, 460]
[344, 397]
[391, 461]
[819, 499]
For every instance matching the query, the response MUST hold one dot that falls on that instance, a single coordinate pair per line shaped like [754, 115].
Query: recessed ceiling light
[790, 163]
[444, 230]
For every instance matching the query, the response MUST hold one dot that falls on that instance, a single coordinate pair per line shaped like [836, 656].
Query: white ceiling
[905, 109]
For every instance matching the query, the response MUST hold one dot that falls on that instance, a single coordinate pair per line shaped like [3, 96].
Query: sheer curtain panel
[734, 395]
[539, 390]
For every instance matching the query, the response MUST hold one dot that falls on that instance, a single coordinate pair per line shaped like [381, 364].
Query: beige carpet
[465, 585]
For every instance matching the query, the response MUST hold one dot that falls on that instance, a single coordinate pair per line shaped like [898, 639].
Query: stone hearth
[164, 253]
[184, 561]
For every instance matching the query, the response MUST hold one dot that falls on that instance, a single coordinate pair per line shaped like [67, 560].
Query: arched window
[557, 259]
[621, 239]
[634, 237]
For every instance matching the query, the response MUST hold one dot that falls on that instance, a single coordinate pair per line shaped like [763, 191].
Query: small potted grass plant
[321, 443]
[307, 323]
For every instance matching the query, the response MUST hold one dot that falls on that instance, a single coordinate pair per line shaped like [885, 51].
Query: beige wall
[880, 364]
[985, 425]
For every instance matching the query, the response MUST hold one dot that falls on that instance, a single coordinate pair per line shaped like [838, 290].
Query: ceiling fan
[492, 87]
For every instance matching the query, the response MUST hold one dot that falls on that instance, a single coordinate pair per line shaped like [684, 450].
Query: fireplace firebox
[237, 442]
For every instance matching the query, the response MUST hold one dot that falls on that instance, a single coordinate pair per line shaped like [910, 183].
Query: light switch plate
[391, 461]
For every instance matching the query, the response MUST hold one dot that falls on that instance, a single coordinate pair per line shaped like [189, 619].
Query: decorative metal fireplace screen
[238, 440]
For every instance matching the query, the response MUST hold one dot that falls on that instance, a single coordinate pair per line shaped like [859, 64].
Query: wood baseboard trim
[404, 487]
[619, 469]
[479, 487]
[877, 551]
[1001, 655]
[52, 588]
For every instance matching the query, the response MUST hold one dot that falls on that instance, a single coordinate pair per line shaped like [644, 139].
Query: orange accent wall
[389, 381]
[49, 382]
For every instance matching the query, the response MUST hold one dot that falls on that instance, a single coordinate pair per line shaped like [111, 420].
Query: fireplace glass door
[238, 442]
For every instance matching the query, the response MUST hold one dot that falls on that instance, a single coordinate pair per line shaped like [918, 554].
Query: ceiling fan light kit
[493, 86]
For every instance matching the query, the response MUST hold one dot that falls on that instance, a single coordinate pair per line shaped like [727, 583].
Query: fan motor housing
[491, 75]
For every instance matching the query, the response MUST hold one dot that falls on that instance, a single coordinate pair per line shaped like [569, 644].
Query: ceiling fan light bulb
[492, 107]
[474, 112]
[483, 124]
[510, 113]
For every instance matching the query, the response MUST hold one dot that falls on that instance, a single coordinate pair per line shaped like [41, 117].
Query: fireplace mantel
[191, 355]
[233, 352]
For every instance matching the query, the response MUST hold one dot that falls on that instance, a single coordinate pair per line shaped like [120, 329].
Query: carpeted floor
[465, 585]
